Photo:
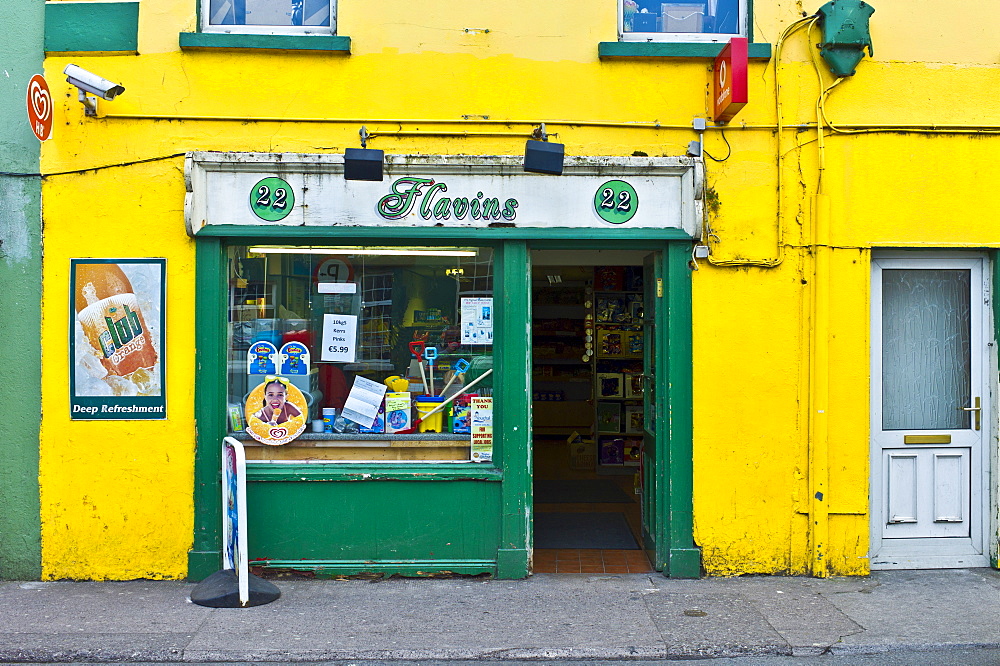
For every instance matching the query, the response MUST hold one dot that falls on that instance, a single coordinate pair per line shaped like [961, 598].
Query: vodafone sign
[40, 107]
[729, 94]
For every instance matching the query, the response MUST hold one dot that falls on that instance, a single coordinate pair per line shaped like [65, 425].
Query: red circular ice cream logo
[278, 433]
[39, 107]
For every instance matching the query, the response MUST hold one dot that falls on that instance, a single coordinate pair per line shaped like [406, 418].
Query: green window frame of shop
[501, 546]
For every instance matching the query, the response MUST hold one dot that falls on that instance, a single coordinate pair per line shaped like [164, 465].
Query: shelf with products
[621, 308]
[573, 356]
[618, 343]
[561, 370]
[617, 365]
[557, 334]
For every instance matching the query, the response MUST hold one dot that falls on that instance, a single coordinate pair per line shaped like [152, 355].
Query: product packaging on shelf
[398, 414]
[460, 416]
[378, 425]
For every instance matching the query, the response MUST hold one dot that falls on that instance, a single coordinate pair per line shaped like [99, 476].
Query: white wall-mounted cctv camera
[88, 82]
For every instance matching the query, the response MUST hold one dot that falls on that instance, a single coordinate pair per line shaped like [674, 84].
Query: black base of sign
[221, 590]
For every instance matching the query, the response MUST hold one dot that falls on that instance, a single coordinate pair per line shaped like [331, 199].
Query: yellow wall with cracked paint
[117, 502]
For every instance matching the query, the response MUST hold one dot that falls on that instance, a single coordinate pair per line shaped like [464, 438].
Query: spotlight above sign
[729, 92]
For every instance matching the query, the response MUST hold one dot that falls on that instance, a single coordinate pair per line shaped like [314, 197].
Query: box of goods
[398, 411]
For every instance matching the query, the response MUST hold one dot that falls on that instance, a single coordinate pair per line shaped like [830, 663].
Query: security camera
[92, 83]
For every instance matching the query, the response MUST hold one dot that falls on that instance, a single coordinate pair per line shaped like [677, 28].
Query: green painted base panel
[414, 568]
[512, 563]
[374, 521]
[202, 564]
[685, 563]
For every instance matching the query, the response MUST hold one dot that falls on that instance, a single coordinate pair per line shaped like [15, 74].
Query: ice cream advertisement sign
[116, 332]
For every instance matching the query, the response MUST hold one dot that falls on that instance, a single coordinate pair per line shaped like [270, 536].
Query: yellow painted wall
[116, 506]
[117, 495]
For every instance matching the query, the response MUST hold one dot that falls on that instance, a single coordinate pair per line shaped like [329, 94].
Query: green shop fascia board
[679, 50]
[84, 27]
[226, 40]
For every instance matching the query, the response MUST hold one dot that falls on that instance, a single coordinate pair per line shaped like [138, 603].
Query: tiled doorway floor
[590, 561]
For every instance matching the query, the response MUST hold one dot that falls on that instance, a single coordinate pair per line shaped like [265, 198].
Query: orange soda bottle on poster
[112, 321]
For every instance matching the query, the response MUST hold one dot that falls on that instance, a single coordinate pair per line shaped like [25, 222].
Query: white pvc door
[930, 411]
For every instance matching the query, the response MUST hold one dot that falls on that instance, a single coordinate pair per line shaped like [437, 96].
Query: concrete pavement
[548, 616]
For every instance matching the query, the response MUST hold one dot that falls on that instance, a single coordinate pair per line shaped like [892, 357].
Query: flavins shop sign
[615, 201]
[439, 191]
[428, 197]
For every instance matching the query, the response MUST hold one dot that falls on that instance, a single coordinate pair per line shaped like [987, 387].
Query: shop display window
[361, 353]
[269, 16]
[684, 20]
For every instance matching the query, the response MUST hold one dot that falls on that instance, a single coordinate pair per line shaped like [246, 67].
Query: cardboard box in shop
[582, 452]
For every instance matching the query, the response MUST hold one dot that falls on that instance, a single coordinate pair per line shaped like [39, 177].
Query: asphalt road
[950, 657]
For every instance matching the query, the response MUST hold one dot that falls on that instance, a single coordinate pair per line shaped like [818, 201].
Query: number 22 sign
[272, 199]
[616, 202]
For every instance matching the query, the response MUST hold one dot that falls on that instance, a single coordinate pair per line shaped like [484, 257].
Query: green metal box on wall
[845, 34]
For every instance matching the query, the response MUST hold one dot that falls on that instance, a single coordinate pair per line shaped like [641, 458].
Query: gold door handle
[978, 410]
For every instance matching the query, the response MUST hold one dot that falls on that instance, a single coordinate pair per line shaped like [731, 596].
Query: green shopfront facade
[356, 503]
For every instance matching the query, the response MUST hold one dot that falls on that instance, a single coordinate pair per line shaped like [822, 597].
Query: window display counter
[418, 447]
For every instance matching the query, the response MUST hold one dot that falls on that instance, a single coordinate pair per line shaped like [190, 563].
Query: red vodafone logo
[729, 93]
[39, 107]
[723, 91]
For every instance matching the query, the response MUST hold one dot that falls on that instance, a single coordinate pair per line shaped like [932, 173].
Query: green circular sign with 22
[272, 199]
[616, 202]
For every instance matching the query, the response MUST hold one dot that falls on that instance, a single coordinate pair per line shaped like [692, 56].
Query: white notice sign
[477, 321]
[339, 338]
[363, 401]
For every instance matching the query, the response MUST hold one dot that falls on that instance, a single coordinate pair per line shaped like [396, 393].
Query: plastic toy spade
[417, 349]
[397, 383]
[444, 403]
[431, 354]
[461, 365]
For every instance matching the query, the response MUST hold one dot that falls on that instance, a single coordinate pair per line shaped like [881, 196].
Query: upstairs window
[270, 16]
[681, 21]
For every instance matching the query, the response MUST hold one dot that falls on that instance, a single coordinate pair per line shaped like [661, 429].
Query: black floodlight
[363, 163]
[542, 156]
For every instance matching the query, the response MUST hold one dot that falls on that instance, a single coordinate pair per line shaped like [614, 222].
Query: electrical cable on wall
[808, 22]
[722, 131]
[94, 168]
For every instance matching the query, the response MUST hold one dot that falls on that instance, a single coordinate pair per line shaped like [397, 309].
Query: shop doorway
[592, 362]
[931, 411]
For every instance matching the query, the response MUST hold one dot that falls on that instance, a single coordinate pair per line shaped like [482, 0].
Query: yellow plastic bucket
[435, 422]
